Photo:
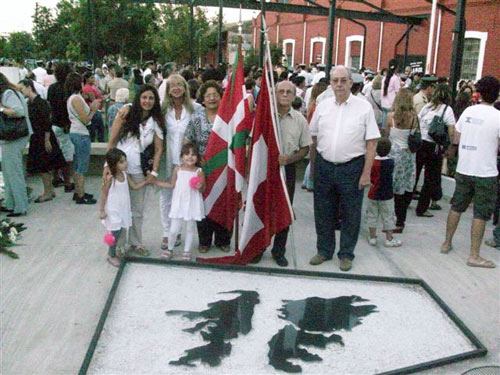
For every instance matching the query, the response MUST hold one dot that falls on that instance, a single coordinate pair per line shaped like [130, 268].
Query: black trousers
[421, 159]
[401, 204]
[279, 246]
[207, 228]
[430, 156]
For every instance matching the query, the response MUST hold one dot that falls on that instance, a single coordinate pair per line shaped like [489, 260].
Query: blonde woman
[400, 123]
[178, 108]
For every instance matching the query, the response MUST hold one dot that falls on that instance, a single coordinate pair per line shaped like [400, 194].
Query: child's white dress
[119, 214]
[187, 203]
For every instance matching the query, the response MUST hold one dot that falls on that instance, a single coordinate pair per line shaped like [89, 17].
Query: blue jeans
[385, 112]
[337, 185]
[82, 152]
[16, 196]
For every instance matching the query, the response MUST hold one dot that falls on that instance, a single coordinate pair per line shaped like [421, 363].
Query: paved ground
[52, 297]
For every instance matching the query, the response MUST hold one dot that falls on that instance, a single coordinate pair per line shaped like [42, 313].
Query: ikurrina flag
[268, 210]
[225, 153]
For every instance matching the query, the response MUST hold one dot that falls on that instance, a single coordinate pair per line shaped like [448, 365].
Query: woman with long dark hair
[80, 116]
[44, 153]
[391, 83]
[139, 126]
[13, 105]
[431, 154]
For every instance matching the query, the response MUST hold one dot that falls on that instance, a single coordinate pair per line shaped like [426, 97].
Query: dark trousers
[207, 228]
[401, 204]
[336, 185]
[279, 247]
[96, 128]
[430, 156]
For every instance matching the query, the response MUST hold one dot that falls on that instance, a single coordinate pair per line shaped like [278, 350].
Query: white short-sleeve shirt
[342, 130]
[479, 128]
[426, 115]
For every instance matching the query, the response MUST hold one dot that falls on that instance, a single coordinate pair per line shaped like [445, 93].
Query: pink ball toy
[194, 181]
[109, 239]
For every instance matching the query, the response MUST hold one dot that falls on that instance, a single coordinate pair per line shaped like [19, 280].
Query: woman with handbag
[431, 153]
[80, 116]
[15, 128]
[44, 153]
[402, 123]
[139, 131]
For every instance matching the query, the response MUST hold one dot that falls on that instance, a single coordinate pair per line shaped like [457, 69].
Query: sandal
[167, 254]
[446, 249]
[425, 214]
[115, 262]
[186, 255]
[483, 263]
[139, 250]
[164, 243]
[225, 248]
[203, 249]
[40, 199]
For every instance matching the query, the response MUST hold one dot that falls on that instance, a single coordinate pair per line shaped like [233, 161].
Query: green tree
[43, 31]
[4, 47]
[251, 58]
[21, 45]
[169, 37]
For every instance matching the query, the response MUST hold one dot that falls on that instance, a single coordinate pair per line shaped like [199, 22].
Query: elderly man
[295, 140]
[344, 133]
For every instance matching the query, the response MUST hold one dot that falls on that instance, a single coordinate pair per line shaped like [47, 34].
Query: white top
[175, 136]
[328, 93]
[427, 114]
[161, 90]
[40, 90]
[343, 130]
[399, 136]
[392, 90]
[118, 211]
[479, 128]
[187, 203]
[133, 147]
[367, 88]
[307, 96]
[361, 96]
[307, 76]
[40, 74]
[77, 126]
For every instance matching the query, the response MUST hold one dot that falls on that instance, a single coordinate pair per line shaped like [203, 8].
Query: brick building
[304, 37]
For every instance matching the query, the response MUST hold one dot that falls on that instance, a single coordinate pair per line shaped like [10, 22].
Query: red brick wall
[481, 15]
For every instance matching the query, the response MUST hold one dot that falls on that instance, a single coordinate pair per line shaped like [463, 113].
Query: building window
[473, 56]
[354, 51]
[288, 52]
[317, 50]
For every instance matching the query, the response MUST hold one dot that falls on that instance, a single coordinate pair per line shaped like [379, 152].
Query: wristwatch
[154, 173]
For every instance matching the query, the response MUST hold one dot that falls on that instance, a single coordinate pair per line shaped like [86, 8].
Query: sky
[15, 15]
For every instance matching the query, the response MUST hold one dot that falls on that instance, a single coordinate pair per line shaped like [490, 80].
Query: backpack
[438, 130]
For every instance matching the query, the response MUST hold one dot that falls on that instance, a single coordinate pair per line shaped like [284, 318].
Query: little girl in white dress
[114, 206]
[188, 181]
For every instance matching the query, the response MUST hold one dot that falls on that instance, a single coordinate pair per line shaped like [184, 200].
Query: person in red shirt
[91, 93]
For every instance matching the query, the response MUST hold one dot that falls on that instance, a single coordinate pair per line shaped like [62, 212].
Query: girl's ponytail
[393, 65]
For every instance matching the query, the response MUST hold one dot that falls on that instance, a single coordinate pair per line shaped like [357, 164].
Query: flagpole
[276, 126]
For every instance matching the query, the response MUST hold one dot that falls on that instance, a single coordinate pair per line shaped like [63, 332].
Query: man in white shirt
[39, 72]
[345, 134]
[476, 175]
[320, 74]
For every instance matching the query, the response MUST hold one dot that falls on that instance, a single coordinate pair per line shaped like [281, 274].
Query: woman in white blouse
[132, 132]
[178, 108]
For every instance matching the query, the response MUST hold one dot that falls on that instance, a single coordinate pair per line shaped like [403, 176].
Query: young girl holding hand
[187, 202]
[114, 205]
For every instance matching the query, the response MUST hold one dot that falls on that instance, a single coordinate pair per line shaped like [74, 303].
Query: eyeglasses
[339, 80]
[287, 92]
[212, 96]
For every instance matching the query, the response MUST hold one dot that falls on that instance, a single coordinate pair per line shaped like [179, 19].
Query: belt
[349, 161]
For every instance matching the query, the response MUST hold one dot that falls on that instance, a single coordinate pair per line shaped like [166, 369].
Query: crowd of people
[366, 129]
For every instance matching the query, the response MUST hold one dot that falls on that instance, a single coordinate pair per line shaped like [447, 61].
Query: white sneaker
[372, 241]
[392, 243]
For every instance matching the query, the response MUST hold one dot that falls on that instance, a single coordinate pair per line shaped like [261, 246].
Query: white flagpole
[277, 130]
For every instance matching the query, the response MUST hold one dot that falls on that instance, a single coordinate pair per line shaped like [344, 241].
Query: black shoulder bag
[438, 130]
[415, 137]
[12, 128]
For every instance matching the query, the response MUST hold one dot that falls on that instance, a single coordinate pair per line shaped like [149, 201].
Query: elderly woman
[122, 96]
[13, 105]
[133, 131]
[80, 116]
[198, 131]
[44, 153]
[178, 109]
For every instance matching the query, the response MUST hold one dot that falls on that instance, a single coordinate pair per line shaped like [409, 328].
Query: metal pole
[331, 23]
[431, 38]
[407, 41]
[458, 47]
[92, 46]
[262, 31]
[191, 34]
[219, 45]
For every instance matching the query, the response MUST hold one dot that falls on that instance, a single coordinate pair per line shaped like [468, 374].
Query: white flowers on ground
[13, 230]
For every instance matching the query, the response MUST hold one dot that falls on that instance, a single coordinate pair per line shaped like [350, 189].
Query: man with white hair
[121, 98]
[344, 134]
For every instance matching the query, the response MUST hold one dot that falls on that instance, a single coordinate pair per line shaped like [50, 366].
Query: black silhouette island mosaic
[224, 320]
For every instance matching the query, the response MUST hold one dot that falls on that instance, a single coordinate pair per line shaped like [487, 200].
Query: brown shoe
[318, 259]
[345, 264]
